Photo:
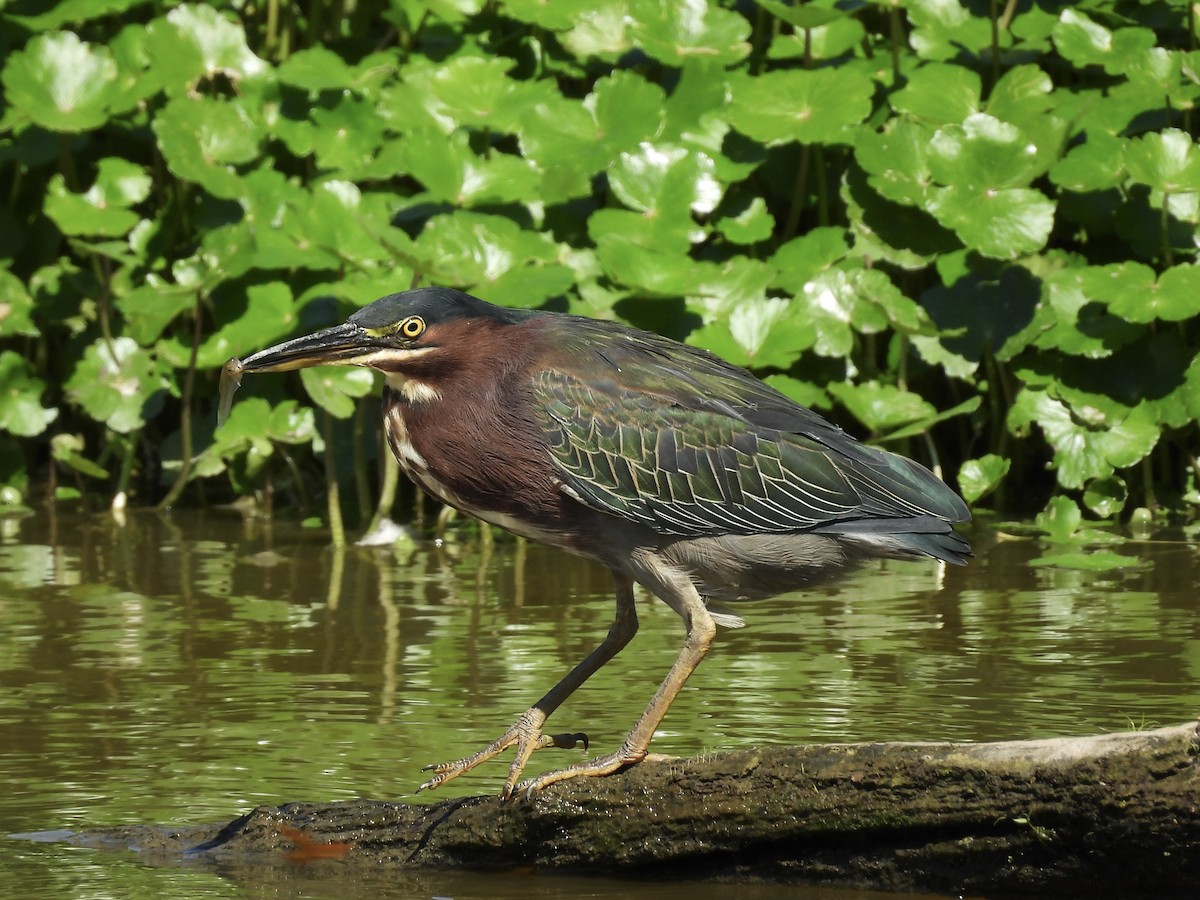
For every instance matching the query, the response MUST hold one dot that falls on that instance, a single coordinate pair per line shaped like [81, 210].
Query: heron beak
[339, 345]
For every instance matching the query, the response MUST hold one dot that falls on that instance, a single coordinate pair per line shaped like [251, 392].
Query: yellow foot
[601, 765]
[525, 733]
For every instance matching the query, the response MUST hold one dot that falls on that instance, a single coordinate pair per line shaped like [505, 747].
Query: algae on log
[1117, 813]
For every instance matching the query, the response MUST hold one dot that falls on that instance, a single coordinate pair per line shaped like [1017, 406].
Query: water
[187, 667]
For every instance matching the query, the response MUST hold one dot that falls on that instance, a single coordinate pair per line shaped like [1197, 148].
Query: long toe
[601, 765]
[525, 734]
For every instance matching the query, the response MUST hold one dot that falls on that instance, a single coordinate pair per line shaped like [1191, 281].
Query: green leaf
[346, 136]
[151, 306]
[315, 69]
[881, 406]
[746, 221]
[674, 31]
[802, 17]
[896, 160]
[979, 477]
[665, 181]
[193, 42]
[117, 383]
[801, 259]
[998, 223]
[756, 331]
[68, 450]
[947, 30]
[1085, 42]
[922, 426]
[1061, 518]
[21, 410]
[1130, 291]
[334, 388]
[983, 152]
[202, 138]
[103, 209]
[1095, 165]
[451, 170]
[1175, 297]
[810, 106]
[1095, 561]
[60, 82]
[1078, 455]
[626, 109]
[1167, 161]
[939, 94]
[15, 307]
[1106, 496]
[470, 248]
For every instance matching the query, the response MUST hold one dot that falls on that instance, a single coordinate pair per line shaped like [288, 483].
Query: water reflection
[191, 666]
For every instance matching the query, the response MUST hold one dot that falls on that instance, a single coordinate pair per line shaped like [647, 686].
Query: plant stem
[1165, 229]
[337, 529]
[185, 416]
[362, 488]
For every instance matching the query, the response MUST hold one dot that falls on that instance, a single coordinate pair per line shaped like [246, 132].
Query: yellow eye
[412, 327]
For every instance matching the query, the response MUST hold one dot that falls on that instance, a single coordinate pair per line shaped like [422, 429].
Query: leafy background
[966, 230]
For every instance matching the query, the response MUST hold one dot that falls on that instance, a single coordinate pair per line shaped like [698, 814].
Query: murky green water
[187, 667]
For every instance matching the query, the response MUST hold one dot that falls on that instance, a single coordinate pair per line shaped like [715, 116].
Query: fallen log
[1111, 814]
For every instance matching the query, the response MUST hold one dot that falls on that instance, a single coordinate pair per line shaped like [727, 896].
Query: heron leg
[679, 592]
[526, 731]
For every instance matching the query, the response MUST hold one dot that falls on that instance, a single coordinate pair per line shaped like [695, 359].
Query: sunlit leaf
[1078, 455]
[662, 180]
[335, 388]
[1086, 42]
[68, 450]
[673, 31]
[118, 383]
[21, 412]
[939, 94]
[195, 41]
[810, 106]
[315, 69]
[999, 223]
[15, 307]
[60, 82]
[979, 477]
[896, 160]
[1060, 519]
[1166, 161]
[881, 406]
[1106, 496]
[1092, 166]
[747, 221]
[201, 139]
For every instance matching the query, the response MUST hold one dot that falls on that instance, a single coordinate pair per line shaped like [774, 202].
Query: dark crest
[434, 305]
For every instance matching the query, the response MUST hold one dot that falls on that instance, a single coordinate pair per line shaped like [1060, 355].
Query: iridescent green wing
[675, 437]
[686, 471]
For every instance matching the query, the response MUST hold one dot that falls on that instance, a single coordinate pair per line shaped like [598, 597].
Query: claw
[525, 733]
[601, 765]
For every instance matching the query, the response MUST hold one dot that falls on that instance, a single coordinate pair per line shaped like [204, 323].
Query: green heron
[664, 463]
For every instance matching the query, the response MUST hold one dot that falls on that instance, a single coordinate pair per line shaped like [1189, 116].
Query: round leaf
[816, 106]
[60, 82]
[673, 31]
[979, 477]
[21, 412]
[1105, 496]
[1001, 224]
[334, 388]
[1167, 161]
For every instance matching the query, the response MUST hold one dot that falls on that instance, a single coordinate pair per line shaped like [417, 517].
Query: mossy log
[1108, 814]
